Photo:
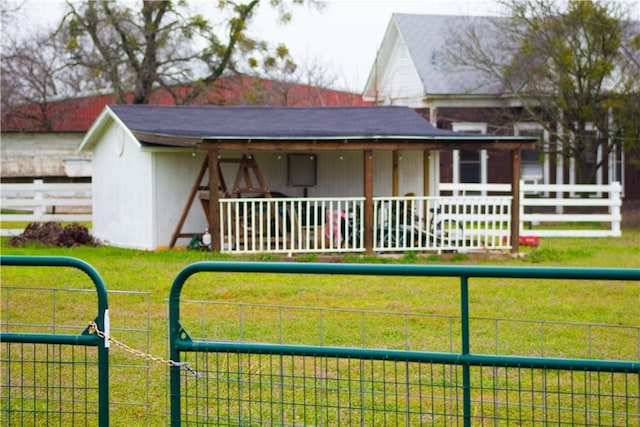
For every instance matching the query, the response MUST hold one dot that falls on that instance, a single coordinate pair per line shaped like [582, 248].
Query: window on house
[469, 165]
[531, 165]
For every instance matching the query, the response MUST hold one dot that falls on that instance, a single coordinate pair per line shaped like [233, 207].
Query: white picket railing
[42, 202]
[317, 225]
[448, 223]
[291, 225]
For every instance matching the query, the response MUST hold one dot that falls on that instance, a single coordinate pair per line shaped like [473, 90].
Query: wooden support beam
[515, 202]
[214, 200]
[395, 173]
[426, 172]
[368, 200]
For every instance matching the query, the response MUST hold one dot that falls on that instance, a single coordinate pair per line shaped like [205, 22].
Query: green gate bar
[85, 339]
[180, 341]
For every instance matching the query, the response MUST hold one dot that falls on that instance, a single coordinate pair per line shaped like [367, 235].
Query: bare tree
[573, 66]
[34, 73]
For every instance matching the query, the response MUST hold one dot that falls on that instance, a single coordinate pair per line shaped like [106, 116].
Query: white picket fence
[571, 210]
[558, 210]
[545, 210]
[43, 202]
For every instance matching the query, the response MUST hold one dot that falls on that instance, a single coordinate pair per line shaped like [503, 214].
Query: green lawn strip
[285, 307]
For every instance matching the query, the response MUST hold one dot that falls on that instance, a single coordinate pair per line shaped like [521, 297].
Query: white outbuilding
[150, 161]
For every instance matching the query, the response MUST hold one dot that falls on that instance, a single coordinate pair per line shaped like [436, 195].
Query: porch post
[515, 201]
[395, 173]
[426, 171]
[368, 200]
[214, 200]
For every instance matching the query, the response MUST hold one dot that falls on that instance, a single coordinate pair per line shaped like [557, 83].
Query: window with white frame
[470, 166]
[533, 164]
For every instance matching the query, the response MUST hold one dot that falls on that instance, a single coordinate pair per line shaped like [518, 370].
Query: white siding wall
[400, 82]
[411, 175]
[122, 192]
[174, 175]
[340, 174]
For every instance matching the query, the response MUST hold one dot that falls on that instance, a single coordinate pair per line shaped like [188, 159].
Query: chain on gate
[93, 329]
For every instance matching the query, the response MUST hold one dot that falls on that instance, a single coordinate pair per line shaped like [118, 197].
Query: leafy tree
[164, 44]
[574, 67]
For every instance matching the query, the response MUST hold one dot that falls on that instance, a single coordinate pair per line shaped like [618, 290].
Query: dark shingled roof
[279, 123]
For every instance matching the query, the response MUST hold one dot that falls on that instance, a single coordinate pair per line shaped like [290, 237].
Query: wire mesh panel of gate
[252, 364]
[66, 373]
[54, 371]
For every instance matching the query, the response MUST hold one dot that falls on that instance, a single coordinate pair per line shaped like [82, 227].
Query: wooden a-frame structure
[243, 184]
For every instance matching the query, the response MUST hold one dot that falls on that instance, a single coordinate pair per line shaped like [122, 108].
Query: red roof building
[78, 114]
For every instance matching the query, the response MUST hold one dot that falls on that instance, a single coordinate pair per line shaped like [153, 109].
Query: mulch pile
[54, 234]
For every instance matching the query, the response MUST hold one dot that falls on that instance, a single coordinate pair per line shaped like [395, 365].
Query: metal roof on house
[279, 123]
[428, 37]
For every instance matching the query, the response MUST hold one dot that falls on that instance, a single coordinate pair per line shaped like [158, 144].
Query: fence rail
[262, 381]
[41, 202]
[596, 207]
[558, 210]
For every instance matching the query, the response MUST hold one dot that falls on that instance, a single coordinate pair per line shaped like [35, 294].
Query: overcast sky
[344, 36]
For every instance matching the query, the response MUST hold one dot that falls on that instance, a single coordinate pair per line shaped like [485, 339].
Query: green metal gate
[253, 382]
[56, 378]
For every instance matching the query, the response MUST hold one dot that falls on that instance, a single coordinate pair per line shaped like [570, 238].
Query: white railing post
[40, 209]
[614, 208]
[521, 214]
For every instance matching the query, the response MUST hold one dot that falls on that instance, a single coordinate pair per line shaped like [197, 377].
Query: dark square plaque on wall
[302, 169]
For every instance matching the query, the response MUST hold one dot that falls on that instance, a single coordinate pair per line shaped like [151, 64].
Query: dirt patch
[54, 234]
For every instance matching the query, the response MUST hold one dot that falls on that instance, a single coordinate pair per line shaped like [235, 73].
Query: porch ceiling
[300, 129]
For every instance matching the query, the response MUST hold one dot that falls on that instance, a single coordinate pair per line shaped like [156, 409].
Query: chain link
[93, 329]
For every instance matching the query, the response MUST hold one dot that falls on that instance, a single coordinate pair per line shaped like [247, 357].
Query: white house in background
[411, 70]
[51, 156]
[146, 163]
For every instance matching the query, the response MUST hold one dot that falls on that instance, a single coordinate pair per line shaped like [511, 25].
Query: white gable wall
[122, 191]
[396, 80]
[174, 173]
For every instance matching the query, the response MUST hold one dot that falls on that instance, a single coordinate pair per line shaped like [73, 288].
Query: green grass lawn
[524, 307]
